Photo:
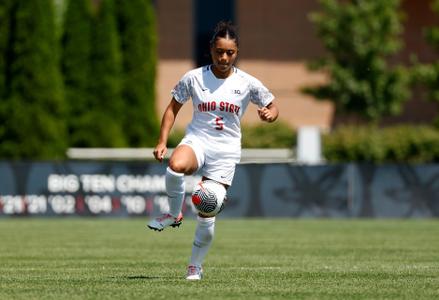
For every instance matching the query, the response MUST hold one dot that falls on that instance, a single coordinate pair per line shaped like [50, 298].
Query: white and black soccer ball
[208, 197]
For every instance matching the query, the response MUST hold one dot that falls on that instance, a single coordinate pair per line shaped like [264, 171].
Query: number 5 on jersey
[219, 123]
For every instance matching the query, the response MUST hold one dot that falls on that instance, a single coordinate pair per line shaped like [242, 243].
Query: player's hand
[265, 114]
[160, 152]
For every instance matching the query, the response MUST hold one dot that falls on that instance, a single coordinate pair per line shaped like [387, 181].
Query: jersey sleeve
[259, 94]
[182, 91]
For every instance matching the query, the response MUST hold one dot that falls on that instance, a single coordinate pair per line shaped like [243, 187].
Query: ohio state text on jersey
[219, 104]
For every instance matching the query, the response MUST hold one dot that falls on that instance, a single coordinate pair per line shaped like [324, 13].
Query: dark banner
[121, 189]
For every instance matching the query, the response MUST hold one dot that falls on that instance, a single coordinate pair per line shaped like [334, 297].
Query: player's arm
[167, 122]
[269, 113]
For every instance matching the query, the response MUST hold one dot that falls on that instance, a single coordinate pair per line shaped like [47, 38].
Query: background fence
[122, 189]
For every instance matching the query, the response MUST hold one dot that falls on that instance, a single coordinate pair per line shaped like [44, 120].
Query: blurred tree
[5, 7]
[107, 112]
[428, 74]
[60, 9]
[33, 109]
[92, 73]
[136, 24]
[76, 56]
[4, 39]
[359, 35]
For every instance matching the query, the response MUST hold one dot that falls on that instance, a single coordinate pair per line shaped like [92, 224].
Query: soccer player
[220, 94]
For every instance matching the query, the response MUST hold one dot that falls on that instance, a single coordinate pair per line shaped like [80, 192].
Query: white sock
[175, 189]
[203, 239]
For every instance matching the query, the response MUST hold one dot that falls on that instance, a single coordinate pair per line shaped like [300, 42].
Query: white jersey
[219, 104]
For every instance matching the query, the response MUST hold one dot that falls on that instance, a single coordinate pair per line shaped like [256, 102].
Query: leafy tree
[428, 73]
[4, 39]
[76, 57]
[106, 112]
[359, 36]
[33, 107]
[92, 74]
[136, 25]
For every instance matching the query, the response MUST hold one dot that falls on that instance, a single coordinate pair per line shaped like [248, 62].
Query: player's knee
[179, 166]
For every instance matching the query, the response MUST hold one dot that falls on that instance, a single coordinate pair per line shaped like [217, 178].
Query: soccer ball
[208, 197]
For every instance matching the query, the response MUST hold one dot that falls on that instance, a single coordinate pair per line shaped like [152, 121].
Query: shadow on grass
[145, 277]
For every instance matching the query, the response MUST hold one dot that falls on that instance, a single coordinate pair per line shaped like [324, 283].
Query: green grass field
[249, 259]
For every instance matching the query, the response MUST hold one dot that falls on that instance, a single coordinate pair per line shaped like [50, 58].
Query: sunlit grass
[250, 259]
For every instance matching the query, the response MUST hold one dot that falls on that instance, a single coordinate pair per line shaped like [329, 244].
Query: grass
[250, 259]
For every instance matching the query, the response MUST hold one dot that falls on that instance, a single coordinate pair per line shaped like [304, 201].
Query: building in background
[277, 39]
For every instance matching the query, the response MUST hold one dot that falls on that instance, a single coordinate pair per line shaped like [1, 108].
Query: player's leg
[221, 171]
[183, 161]
[202, 242]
